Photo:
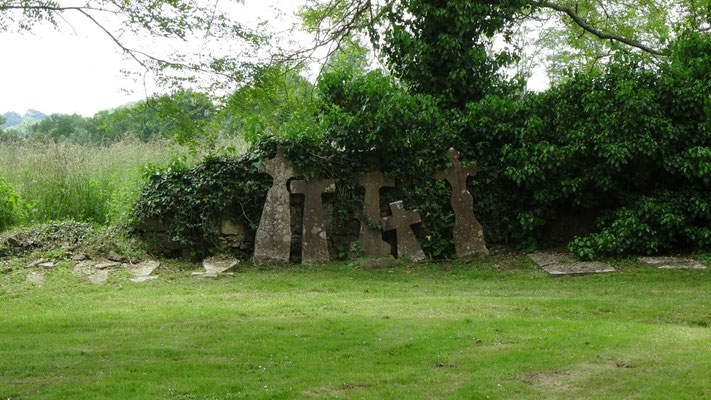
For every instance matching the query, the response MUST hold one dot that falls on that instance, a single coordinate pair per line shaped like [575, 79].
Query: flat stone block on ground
[104, 265]
[143, 269]
[143, 279]
[99, 277]
[35, 277]
[672, 263]
[217, 265]
[561, 264]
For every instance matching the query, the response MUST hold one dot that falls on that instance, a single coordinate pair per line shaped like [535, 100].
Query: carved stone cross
[272, 242]
[370, 238]
[468, 234]
[400, 221]
[314, 247]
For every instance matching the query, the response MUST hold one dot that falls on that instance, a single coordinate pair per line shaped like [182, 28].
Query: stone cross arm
[401, 221]
[456, 170]
[401, 218]
[375, 179]
[314, 187]
[278, 167]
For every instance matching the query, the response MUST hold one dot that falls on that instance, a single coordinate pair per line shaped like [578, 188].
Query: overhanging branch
[595, 31]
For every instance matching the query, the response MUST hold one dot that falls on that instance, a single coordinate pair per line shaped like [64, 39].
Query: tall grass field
[62, 181]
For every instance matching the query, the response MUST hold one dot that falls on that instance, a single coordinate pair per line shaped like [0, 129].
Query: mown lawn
[495, 328]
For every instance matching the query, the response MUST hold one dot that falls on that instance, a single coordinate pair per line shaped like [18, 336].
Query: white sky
[58, 72]
[78, 69]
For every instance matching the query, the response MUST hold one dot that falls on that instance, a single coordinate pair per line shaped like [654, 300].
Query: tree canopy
[561, 33]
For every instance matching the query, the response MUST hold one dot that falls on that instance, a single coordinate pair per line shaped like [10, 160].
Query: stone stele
[314, 246]
[371, 239]
[468, 234]
[272, 242]
[401, 221]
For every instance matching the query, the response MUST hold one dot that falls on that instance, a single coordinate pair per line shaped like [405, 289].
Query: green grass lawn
[496, 328]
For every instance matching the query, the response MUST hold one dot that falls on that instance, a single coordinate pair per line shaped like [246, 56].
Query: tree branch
[597, 32]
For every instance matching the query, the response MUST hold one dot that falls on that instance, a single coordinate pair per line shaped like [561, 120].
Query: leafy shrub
[633, 144]
[662, 222]
[189, 201]
[630, 145]
[11, 207]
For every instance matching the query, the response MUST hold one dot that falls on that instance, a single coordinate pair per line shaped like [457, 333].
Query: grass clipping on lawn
[496, 328]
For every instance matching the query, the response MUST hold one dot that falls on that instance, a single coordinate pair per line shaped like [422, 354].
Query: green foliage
[189, 201]
[665, 221]
[183, 115]
[279, 102]
[633, 141]
[98, 184]
[11, 207]
[56, 127]
[651, 23]
[629, 144]
[444, 48]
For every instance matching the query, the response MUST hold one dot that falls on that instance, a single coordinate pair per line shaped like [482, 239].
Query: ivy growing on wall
[629, 146]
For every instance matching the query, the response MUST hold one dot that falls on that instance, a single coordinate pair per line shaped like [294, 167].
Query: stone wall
[238, 238]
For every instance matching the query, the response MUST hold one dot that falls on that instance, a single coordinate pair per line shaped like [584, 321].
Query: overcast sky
[78, 69]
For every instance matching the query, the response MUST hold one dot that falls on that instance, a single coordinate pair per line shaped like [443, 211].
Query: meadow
[494, 328]
[66, 181]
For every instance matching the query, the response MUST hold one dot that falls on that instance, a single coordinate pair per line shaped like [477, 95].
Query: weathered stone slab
[35, 277]
[218, 265]
[560, 264]
[83, 267]
[116, 258]
[79, 257]
[48, 264]
[672, 263]
[104, 265]
[468, 233]
[370, 237]
[143, 269]
[578, 268]
[140, 279]
[272, 242]
[215, 266]
[99, 277]
[401, 221]
[314, 247]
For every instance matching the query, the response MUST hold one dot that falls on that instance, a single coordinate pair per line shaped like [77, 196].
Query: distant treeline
[156, 117]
